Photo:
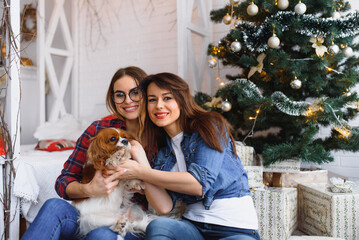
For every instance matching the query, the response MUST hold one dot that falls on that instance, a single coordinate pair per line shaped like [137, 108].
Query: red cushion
[55, 145]
[2, 149]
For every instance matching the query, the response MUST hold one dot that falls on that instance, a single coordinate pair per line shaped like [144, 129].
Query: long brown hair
[192, 117]
[138, 75]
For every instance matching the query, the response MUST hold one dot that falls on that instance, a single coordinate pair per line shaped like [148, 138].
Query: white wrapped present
[284, 166]
[255, 176]
[324, 213]
[277, 212]
[246, 154]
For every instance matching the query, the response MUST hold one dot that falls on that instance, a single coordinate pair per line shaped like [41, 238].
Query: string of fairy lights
[250, 31]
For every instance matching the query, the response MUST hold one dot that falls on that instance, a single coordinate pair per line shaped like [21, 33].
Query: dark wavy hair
[138, 75]
[212, 126]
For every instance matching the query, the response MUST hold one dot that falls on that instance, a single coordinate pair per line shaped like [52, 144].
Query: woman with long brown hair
[58, 219]
[196, 163]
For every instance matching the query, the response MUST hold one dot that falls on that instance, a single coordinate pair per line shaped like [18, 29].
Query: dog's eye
[113, 139]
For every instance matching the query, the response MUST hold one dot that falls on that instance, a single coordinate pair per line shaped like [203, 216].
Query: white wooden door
[46, 51]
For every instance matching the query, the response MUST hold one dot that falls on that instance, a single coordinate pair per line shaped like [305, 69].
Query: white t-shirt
[236, 212]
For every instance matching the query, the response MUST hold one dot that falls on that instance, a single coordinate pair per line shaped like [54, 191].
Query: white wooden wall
[143, 33]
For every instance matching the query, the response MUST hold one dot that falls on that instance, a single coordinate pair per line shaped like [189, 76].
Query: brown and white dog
[109, 147]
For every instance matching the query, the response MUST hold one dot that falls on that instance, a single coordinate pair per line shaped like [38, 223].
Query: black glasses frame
[128, 94]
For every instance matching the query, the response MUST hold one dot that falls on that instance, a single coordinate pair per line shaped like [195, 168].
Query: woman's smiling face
[128, 109]
[163, 109]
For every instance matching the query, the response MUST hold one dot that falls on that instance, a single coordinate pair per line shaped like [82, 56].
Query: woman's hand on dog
[101, 186]
[139, 154]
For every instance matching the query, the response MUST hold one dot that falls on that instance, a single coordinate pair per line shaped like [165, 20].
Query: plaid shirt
[73, 167]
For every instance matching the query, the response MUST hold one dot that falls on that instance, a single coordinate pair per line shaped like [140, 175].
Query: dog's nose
[124, 142]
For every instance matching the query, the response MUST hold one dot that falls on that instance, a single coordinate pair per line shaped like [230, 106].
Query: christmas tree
[296, 73]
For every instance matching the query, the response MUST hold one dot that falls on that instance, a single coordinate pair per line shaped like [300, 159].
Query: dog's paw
[121, 226]
[136, 185]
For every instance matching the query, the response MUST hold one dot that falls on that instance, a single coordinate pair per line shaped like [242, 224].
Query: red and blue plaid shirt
[73, 167]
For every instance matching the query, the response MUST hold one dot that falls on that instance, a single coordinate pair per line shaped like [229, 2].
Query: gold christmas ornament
[227, 19]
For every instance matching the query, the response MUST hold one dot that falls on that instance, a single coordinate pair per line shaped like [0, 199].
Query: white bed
[37, 170]
[35, 178]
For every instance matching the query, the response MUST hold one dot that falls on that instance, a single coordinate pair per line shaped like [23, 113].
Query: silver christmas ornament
[296, 84]
[236, 46]
[252, 9]
[234, 2]
[226, 106]
[227, 19]
[300, 8]
[283, 4]
[212, 63]
[348, 52]
[336, 15]
[273, 41]
[333, 49]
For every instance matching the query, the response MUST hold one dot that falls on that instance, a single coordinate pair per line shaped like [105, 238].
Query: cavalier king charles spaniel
[109, 147]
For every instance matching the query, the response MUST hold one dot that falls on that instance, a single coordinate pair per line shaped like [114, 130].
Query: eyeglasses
[135, 94]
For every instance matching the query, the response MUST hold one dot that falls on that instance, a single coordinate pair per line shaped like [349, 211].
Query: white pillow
[65, 128]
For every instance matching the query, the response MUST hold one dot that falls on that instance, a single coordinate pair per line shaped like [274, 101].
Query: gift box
[277, 212]
[255, 176]
[277, 179]
[246, 154]
[324, 213]
[283, 166]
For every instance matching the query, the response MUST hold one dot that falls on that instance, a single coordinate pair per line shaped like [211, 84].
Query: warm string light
[343, 131]
[251, 132]
[220, 83]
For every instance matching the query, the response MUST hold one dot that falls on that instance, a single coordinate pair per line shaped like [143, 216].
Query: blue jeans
[57, 219]
[166, 228]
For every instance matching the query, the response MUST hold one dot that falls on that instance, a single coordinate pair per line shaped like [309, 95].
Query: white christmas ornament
[252, 9]
[283, 4]
[300, 8]
[236, 46]
[226, 106]
[227, 19]
[296, 84]
[234, 2]
[336, 15]
[348, 52]
[333, 49]
[273, 41]
[212, 63]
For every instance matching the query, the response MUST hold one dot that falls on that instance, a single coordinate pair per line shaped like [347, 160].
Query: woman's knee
[54, 203]
[101, 233]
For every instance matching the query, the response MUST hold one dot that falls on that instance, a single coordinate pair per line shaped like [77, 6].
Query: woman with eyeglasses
[57, 219]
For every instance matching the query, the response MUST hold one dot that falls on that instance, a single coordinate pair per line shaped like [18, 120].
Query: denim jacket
[220, 174]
